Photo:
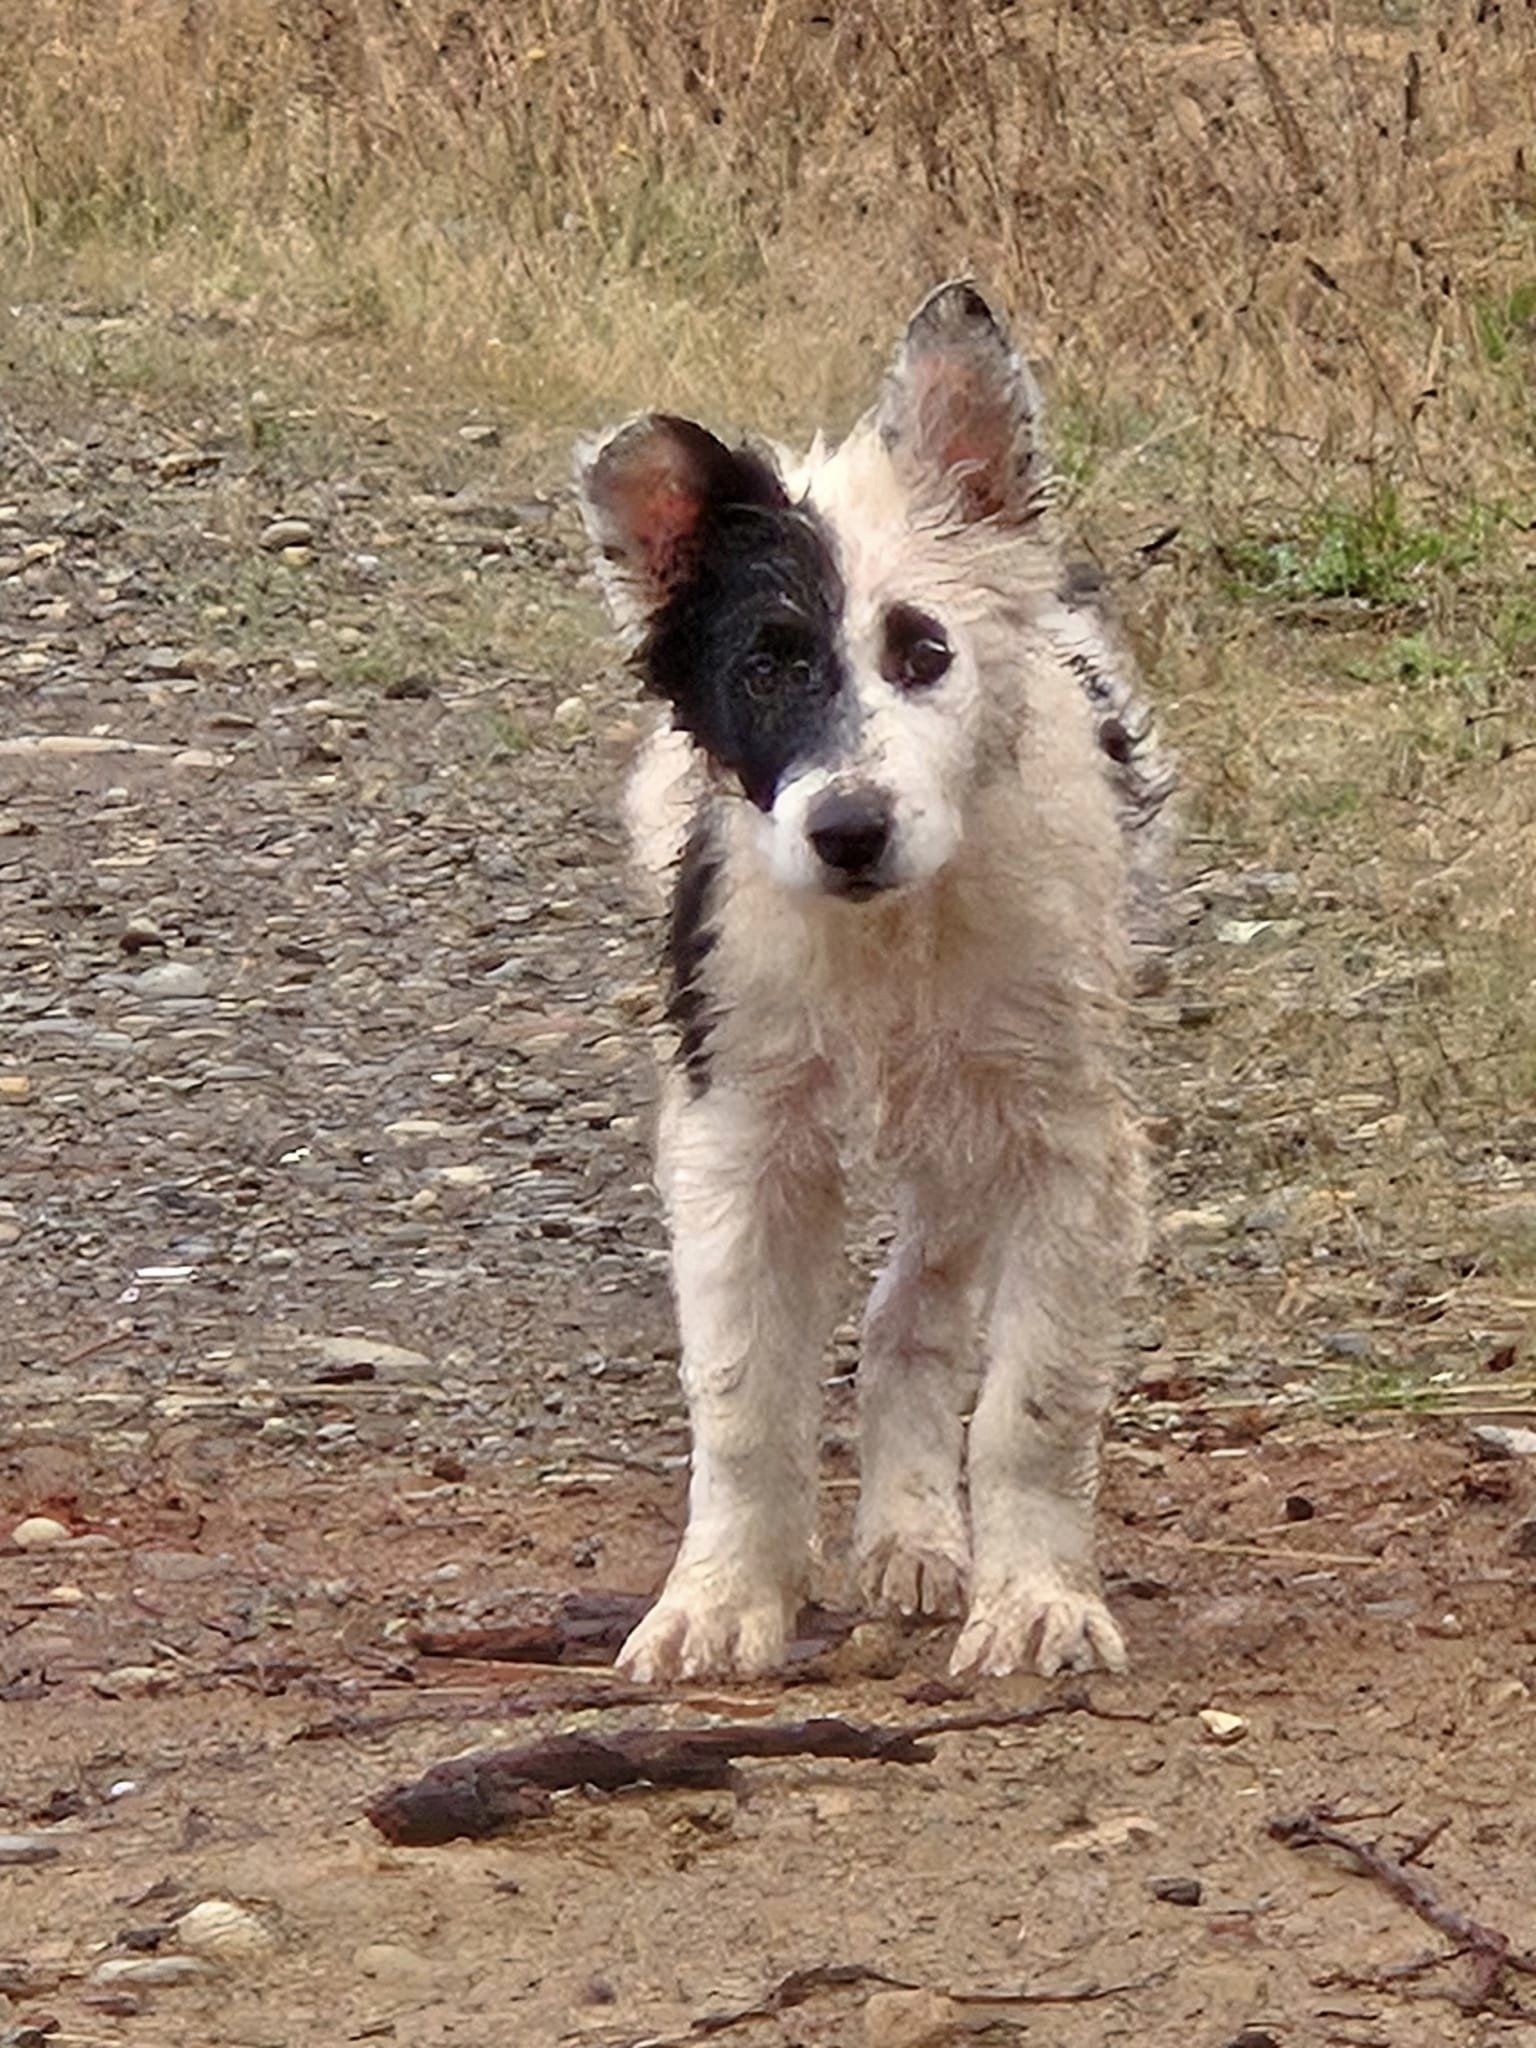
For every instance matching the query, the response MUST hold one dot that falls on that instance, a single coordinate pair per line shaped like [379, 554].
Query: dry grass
[1281, 262]
[1294, 224]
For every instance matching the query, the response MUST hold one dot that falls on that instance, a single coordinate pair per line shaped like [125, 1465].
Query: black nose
[850, 832]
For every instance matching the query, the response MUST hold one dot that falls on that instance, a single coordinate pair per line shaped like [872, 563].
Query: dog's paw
[914, 1574]
[698, 1631]
[1035, 1621]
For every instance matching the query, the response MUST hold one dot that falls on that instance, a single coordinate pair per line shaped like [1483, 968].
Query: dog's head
[816, 632]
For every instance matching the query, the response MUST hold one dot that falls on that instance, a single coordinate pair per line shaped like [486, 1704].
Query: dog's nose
[850, 831]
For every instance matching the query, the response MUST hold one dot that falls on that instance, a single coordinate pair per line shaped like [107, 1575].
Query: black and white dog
[900, 802]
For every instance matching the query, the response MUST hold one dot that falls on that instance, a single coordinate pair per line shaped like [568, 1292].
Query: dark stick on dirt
[799, 1985]
[588, 1628]
[580, 1628]
[1490, 1952]
[486, 1794]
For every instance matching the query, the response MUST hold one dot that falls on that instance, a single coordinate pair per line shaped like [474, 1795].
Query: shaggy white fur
[966, 1021]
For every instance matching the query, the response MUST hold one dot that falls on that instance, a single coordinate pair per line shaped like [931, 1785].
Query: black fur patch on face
[746, 647]
[690, 941]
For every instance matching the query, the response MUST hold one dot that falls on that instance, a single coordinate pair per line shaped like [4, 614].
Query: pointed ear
[960, 412]
[649, 493]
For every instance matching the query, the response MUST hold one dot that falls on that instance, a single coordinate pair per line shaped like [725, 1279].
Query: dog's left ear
[960, 412]
[649, 494]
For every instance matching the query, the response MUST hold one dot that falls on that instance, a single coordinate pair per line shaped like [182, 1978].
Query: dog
[899, 812]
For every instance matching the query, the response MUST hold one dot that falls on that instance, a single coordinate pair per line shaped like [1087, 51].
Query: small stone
[1523, 1542]
[168, 663]
[1176, 1891]
[1195, 1226]
[389, 1961]
[1489, 1440]
[571, 720]
[479, 434]
[1346, 1344]
[221, 1929]
[910, 2019]
[17, 1849]
[354, 1351]
[15, 1087]
[38, 1532]
[1298, 1508]
[407, 1128]
[1119, 1831]
[151, 1970]
[286, 533]
[130, 1682]
[1221, 1727]
[172, 981]
[138, 933]
[448, 1468]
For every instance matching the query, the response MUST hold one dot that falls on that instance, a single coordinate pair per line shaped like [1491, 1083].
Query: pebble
[171, 981]
[1195, 1226]
[1489, 1440]
[38, 1532]
[286, 533]
[138, 933]
[1222, 1727]
[15, 1849]
[223, 1930]
[910, 2019]
[1119, 1831]
[390, 1961]
[1346, 1344]
[151, 1970]
[479, 434]
[348, 1351]
[470, 1176]
[130, 1682]
[15, 1087]
[572, 720]
[1176, 1891]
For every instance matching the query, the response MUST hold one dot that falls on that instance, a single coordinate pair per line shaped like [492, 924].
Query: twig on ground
[461, 1705]
[585, 1628]
[1425, 1840]
[799, 1985]
[479, 1795]
[1491, 1952]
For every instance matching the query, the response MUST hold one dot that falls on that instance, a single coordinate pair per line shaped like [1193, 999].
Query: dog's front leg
[753, 1193]
[1052, 1344]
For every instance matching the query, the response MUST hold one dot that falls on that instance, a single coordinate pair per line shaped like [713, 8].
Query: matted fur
[963, 1016]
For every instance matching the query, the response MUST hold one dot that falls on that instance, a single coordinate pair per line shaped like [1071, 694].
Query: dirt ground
[334, 1307]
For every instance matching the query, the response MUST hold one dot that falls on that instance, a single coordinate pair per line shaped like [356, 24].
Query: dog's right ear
[649, 493]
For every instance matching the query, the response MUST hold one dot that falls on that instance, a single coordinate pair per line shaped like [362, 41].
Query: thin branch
[1491, 1952]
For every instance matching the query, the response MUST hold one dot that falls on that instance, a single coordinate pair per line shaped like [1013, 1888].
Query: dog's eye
[760, 674]
[917, 652]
